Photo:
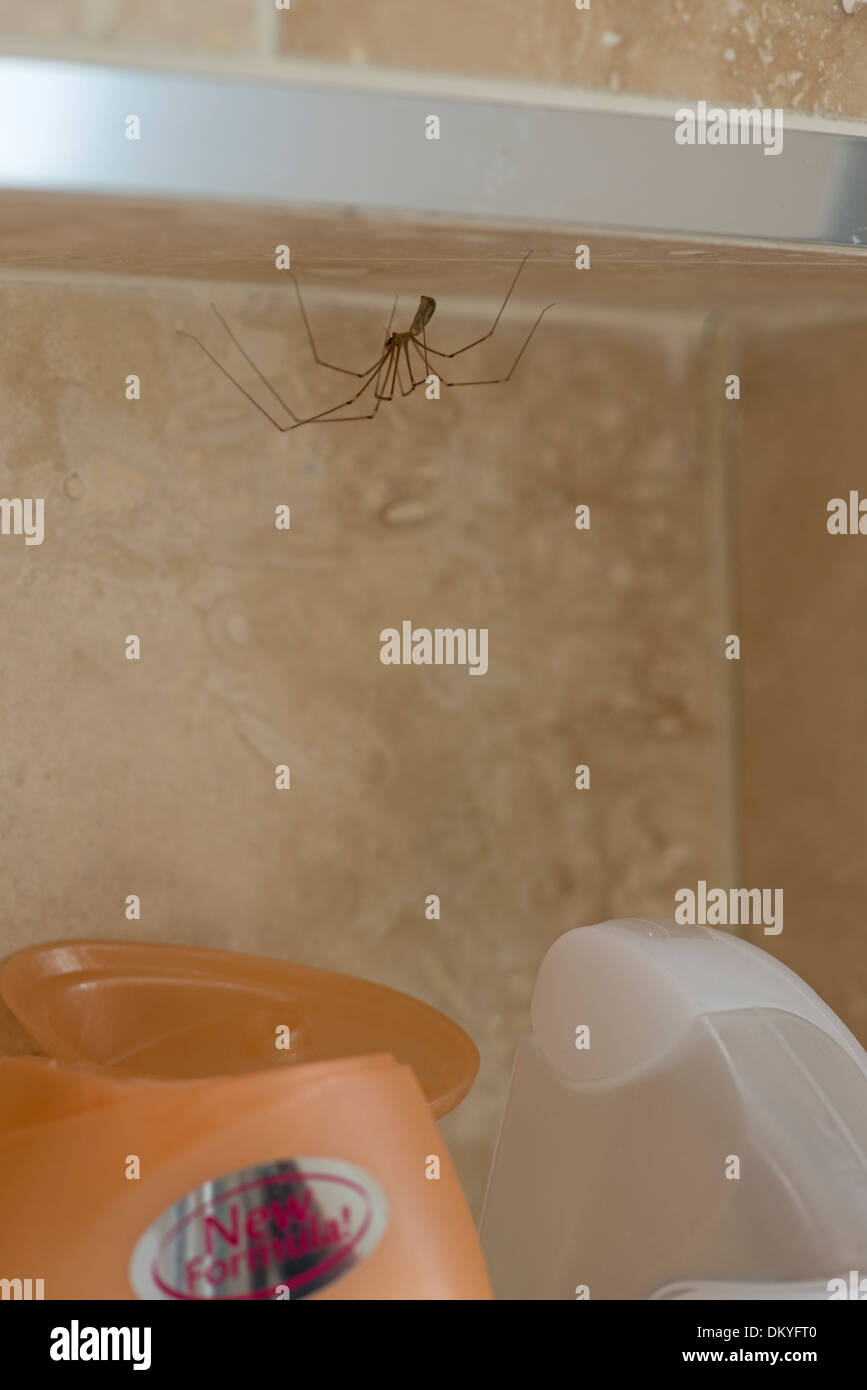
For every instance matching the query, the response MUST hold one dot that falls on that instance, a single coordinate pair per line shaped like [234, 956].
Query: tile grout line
[721, 359]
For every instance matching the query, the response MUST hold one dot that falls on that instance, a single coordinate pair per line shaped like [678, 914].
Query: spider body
[402, 352]
[423, 315]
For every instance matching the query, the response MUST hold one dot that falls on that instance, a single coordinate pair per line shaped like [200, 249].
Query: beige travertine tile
[207, 25]
[260, 647]
[788, 53]
[802, 672]
[366, 253]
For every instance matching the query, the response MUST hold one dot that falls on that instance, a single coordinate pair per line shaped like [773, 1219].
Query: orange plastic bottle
[209, 1125]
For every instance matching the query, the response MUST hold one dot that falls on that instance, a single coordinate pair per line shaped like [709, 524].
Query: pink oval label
[281, 1230]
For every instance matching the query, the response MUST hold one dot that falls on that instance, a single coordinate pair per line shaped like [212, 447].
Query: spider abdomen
[423, 314]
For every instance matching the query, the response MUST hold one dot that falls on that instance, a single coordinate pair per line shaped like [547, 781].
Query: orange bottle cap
[182, 1012]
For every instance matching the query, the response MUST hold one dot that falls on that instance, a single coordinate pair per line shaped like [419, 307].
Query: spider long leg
[344, 419]
[492, 381]
[321, 414]
[394, 377]
[390, 373]
[409, 390]
[339, 420]
[490, 331]
[239, 387]
[411, 373]
[382, 375]
[262, 411]
[260, 374]
[418, 349]
[346, 370]
[248, 359]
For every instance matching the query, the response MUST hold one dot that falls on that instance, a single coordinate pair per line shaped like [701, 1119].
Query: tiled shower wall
[606, 646]
[262, 647]
[805, 55]
[802, 594]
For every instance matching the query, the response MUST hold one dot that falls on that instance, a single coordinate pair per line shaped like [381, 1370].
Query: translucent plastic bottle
[687, 1119]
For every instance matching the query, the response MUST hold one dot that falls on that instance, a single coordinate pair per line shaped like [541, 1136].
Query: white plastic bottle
[687, 1119]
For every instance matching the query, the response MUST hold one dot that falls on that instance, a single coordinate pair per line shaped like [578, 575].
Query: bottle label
[280, 1230]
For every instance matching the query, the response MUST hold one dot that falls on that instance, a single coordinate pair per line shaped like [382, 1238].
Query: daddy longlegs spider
[385, 373]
